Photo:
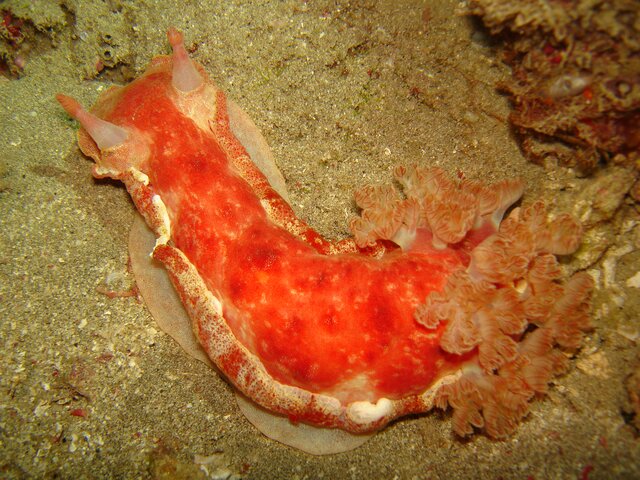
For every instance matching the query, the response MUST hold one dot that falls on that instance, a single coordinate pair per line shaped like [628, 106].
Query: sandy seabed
[343, 91]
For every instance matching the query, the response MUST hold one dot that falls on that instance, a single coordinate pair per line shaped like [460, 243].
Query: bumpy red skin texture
[315, 318]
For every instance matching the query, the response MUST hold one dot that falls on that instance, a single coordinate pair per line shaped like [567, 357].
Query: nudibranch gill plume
[436, 300]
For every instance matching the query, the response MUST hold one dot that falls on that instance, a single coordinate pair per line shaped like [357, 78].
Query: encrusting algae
[575, 86]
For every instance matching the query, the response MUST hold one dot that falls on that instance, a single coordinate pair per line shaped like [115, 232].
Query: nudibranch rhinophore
[435, 300]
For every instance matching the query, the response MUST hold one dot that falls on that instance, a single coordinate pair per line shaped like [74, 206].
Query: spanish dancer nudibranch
[435, 301]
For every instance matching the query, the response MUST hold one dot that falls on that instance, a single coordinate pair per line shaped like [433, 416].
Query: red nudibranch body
[429, 304]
